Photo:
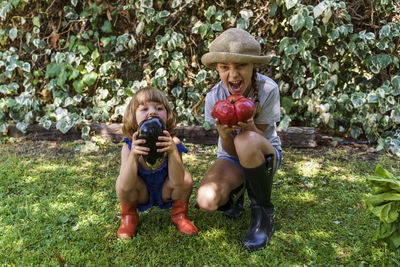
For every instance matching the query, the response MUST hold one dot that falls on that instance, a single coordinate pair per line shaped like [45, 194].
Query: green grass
[58, 206]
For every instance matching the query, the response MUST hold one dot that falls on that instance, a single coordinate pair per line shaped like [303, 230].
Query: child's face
[150, 109]
[236, 76]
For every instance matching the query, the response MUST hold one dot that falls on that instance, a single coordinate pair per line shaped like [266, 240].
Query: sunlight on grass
[320, 234]
[308, 168]
[31, 179]
[60, 206]
[213, 233]
[86, 220]
[299, 197]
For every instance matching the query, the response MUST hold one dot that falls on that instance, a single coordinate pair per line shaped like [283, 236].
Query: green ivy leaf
[107, 27]
[203, 30]
[89, 78]
[26, 67]
[83, 49]
[396, 83]
[320, 8]
[334, 34]
[285, 122]
[62, 77]
[272, 10]
[105, 40]
[95, 54]
[355, 131]
[372, 98]
[297, 22]
[385, 31]
[175, 64]
[298, 93]
[395, 115]
[283, 44]
[292, 50]
[73, 74]
[45, 122]
[290, 3]
[105, 67]
[72, 15]
[64, 125]
[22, 126]
[177, 91]
[13, 33]
[382, 60]
[242, 23]
[287, 104]
[310, 83]
[36, 21]
[357, 101]
[161, 72]
[210, 12]
[78, 86]
[201, 76]
[216, 27]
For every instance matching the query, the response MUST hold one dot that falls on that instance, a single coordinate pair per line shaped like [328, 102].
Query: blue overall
[154, 181]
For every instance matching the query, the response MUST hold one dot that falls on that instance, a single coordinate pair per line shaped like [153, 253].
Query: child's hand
[166, 142]
[136, 149]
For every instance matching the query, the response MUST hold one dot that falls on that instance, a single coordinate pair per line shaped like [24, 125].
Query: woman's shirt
[269, 100]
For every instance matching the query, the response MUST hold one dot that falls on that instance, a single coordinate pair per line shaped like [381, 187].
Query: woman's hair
[254, 85]
[144, 95]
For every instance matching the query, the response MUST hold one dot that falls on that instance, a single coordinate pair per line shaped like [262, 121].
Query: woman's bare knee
[207, 198]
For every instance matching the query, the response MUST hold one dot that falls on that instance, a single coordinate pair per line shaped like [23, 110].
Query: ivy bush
[78, 62]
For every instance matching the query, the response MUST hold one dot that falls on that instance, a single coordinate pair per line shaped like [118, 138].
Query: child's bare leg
[179, 193]
[129, 192]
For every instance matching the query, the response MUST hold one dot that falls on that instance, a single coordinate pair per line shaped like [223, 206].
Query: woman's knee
[248, 147]
[246, 141]
[207, 198]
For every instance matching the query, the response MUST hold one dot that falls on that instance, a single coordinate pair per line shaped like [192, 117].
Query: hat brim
[222, 57]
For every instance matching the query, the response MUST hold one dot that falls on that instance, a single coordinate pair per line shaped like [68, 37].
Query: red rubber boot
[178, 217]
[129, 220]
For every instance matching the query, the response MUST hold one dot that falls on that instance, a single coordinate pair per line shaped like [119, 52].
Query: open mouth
[235, 85]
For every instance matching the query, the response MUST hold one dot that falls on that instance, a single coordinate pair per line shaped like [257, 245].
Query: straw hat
[234, 45]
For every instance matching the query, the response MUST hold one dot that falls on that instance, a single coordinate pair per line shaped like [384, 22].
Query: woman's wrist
[226, 136]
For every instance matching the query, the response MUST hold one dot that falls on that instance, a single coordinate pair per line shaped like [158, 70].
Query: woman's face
[236, 76]
[150, 108]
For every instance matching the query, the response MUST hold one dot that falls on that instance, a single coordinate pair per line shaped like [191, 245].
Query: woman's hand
[249, 125]
[166, 143]
[224, 130]
[136, 147]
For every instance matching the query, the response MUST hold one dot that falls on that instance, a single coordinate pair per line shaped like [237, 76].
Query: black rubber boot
[259, 185]
[234, 207]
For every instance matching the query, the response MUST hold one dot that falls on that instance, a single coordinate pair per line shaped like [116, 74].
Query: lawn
[58, 207]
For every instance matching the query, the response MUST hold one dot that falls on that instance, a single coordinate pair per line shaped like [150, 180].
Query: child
[248, 154]
[139, 186]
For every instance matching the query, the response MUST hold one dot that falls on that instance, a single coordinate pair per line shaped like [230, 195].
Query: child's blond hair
[129, 122]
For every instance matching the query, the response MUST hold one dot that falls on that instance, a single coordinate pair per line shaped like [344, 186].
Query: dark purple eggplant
[150, 129]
